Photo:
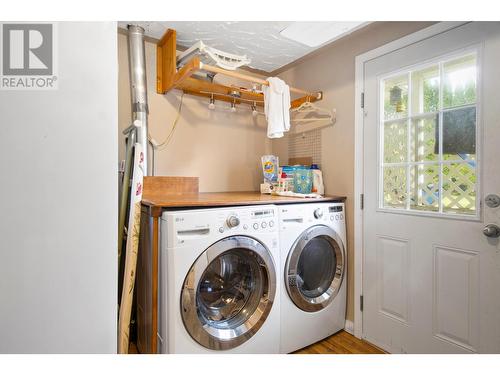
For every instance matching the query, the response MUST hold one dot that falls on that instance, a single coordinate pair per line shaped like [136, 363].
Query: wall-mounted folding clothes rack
[169, 77]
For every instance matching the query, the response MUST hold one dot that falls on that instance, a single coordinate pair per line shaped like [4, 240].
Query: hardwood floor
[340, 343]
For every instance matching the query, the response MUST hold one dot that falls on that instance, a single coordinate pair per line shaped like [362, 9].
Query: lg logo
[28, 56]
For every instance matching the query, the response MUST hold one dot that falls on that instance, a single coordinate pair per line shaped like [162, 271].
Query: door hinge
[362, 100]
[362, 201]
[361, 303]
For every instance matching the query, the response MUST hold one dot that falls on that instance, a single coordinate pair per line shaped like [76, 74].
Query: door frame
[359, 74]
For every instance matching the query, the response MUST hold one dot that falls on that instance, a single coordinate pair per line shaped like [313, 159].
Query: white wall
[58, 224]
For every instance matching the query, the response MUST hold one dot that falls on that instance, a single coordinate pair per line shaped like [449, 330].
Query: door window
[316, 268]
[428, 133]
[230, 289]
[228, 293]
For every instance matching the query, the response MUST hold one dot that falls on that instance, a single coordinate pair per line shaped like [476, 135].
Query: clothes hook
[254, 109]
[212, 102]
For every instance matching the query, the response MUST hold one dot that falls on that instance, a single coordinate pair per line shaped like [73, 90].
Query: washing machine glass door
[228, 292]
[315, 268]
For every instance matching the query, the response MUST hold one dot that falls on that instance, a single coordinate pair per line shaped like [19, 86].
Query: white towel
[277, 107]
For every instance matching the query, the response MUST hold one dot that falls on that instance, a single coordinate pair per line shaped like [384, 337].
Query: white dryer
[313, 269]
[218, 289]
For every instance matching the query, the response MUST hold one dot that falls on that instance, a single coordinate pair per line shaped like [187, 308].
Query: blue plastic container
[302, 181]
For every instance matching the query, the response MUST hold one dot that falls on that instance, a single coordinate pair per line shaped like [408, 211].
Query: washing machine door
[315, 268]
[228, 293]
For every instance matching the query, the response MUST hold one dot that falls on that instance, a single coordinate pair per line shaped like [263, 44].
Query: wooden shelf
[169, 77]
[159, 200]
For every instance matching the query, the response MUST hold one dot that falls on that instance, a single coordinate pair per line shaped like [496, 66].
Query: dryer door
[315, 268]
[228, 293]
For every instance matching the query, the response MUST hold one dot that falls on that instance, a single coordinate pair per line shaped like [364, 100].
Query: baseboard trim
[349, 327]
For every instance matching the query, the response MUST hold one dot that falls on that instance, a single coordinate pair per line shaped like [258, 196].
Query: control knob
[233, 221]
[318, 213]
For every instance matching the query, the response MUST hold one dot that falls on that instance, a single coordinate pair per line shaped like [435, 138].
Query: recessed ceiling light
[314, 34]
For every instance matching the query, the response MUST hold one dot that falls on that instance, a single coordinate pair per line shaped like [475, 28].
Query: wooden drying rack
[169, 77]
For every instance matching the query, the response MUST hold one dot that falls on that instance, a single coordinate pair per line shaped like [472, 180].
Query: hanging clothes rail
[169, 77]
[245, 77]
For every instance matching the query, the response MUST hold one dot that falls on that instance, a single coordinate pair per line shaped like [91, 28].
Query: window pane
[459, 86]
[423, 139]
[459, 188]
[424, 187]
[425, 90]
[396, 97]
[316, 268]
[428, 132]
[395, 187]
[395, 141]
[459, 134]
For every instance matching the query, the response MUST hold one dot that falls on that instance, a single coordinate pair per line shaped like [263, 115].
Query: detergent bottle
[317, 183]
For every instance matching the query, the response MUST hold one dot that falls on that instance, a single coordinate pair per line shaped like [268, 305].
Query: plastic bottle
[317, 186]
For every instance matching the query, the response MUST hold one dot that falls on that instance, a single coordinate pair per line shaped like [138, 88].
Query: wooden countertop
[158, 200]
[163, 192]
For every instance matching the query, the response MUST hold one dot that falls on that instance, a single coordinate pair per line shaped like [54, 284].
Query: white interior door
[431, 278]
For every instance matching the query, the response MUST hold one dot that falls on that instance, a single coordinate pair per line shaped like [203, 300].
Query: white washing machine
[313, 269]
[218, 289]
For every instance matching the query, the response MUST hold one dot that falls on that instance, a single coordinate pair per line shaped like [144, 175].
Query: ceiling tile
[260, 41]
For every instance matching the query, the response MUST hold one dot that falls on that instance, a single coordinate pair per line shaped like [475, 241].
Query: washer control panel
[187, 226]
[248, 220]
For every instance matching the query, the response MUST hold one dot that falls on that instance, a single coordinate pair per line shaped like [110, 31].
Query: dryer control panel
[311, 213]
[336, 212]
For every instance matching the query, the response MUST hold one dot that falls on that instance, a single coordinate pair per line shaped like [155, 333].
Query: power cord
[161, 146]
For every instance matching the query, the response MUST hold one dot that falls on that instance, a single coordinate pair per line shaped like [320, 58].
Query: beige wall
[332, 71]
[220, 147]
